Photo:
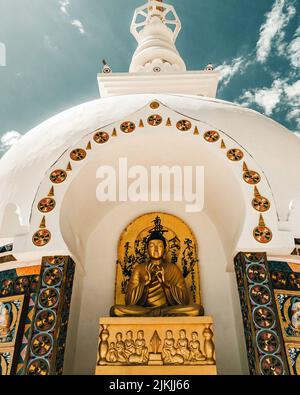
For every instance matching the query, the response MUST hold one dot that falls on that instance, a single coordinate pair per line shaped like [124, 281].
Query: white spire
[155, 27]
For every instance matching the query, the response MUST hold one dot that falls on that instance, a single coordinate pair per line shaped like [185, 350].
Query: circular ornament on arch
[261, 204]
[267, 341]
[38, 367]
[127, 127]
[58, 176]
[41, 237]
[251, 177]
[235, 154]
[78, 154]
[155, 120]
[212, 136]
[46, 205]
[101, 137]
[154, 105]
[262, 234]
[184, 125]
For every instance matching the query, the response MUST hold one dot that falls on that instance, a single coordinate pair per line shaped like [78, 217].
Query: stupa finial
[156, 26]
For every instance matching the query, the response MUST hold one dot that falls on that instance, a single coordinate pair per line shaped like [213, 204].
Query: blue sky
[54, 50]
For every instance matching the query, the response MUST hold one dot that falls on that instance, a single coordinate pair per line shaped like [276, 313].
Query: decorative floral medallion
[21, 285]
[38, 367]
[256, 273]
[52, 276]
[46, 205]
[154, 105]
[49, 297]
[127, 127]
[261, 204]
[45, 320]
[101, 137]
[260, 294]
[211, 136]
[78, 154]
[267, 342]
[253, 256]
[155, 120]
[184, 125]
[235, 154]
[58, 176]
[41, 237]
[263, 317]
[262, 234]
[251, 177]
[55, 260]
[271, 365]
[41, 344]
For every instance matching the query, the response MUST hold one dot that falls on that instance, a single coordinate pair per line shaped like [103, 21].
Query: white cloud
[79, 25]
[294, 115]
[293, 93]
[272, 30]
[9, 139]
[229, 70]
[266, 98]
[64, 4]
[294, 49]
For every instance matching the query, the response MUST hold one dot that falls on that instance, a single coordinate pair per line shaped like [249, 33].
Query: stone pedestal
[156, 346]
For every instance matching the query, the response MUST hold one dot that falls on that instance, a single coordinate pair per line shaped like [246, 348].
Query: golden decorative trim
[43, 223]
[245, 167]
[141, 124]
[114, 133]
[196, 131]
[169, 123]
[51, 192]
[223, 146]
[69, 167]
[89, 146]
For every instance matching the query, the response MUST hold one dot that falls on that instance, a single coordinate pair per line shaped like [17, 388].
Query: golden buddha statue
[156, 287]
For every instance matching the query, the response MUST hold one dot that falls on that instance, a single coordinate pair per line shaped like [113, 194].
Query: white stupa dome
[275, 149]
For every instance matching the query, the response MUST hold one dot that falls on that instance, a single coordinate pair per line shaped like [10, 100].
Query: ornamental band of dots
[264, 348]
[45, 354]
[261, 233]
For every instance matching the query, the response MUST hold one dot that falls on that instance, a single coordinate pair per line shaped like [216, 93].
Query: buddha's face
[156, 249]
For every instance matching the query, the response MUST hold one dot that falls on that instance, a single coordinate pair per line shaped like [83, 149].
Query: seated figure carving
[156, 287]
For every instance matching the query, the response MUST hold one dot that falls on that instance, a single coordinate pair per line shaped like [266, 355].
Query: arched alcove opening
[91, 230]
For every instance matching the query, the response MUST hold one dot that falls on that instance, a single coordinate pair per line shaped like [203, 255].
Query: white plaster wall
[98, 287]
